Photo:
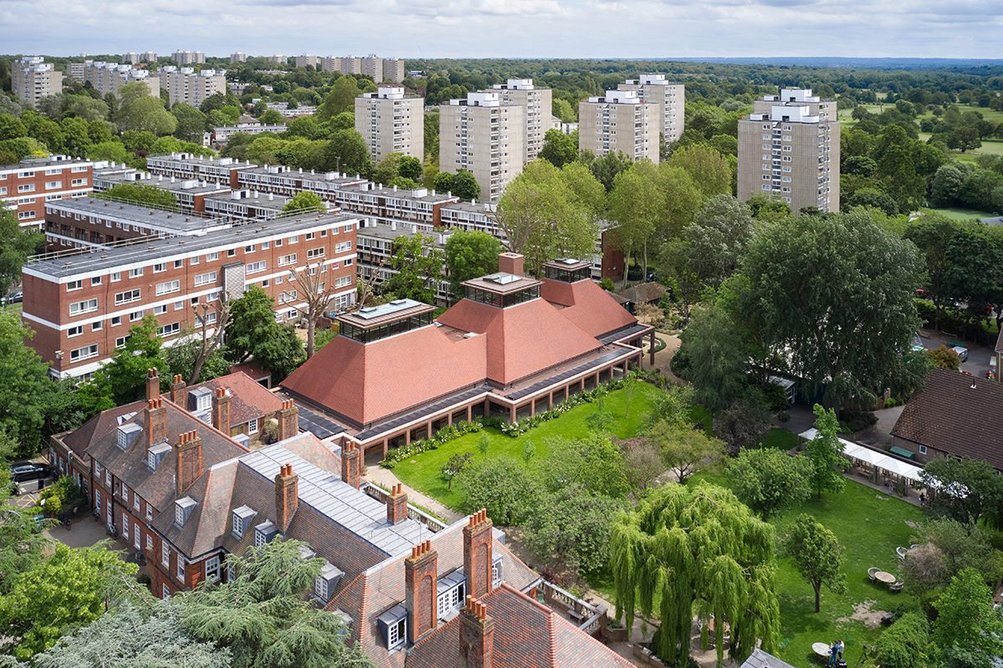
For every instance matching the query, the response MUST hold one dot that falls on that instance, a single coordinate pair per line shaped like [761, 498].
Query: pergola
[875, 459]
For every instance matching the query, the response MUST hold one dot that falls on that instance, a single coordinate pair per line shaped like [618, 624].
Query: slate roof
[958, 414]
[761, 659]
[89, 432]
[248, 398]
[527, 634]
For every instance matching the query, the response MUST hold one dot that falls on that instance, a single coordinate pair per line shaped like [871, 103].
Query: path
[663, 358]
[386, 479]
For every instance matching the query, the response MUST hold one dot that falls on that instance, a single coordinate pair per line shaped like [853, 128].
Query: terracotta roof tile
[588, 306]
[248, 398]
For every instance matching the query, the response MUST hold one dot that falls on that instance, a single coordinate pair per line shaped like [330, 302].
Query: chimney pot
[476, 635]
[478, 543]
[397, 505]
[351, 472]
[221, 410]
[188, 463]
[288, 419]
[286, 496]
[152, 384]
[420, 585]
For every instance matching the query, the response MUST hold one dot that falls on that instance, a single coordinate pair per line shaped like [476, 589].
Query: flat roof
[103, 260]
[188, 158]
[502, 283]
[263, 200]
[403, 229]
[371, 316]
[483, 208]
[135, 214]
[41, 163]
[568, 263]
[421, 194]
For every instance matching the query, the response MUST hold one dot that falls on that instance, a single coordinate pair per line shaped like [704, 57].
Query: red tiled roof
[588, 306]
[249, 399]
[522, 340]
[958, 414]
[365, 383]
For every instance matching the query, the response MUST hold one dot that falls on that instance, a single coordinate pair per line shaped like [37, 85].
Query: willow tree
[699, 553]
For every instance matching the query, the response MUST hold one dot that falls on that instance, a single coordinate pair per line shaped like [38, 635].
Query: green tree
[709, 169]
[11, 127]
[410, 168]
[943, 357]
[347, 152]
[967, 630]
[817, 555]
[123, 379]
[713, 244]
[70, 588]
[502, 486]
[271, 117]
[139, 110]
[607, 167]
[905, 644]
[946, 547]
[454, 466]
[465, 185]
[825, 453]
[594, 462]
[559, 149]
[700, 552]
[685, 450]
[563, 110]
[253, 332]
[417, 266]
[138, 193]
[682, 199]
[718, 360]
[85, 107]
[16, 245]
[768, 480]
[983, 490]
[470, 255]
[263, 615]
[191, 122]
[341, 98]
[635, 205]
[304, 202]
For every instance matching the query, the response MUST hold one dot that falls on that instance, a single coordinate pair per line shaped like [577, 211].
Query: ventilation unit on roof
[399, 302]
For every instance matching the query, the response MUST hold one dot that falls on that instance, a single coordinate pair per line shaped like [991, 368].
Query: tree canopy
[817, 555]
[470, 255]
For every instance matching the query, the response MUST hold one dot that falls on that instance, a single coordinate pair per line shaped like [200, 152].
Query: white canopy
[875, 458]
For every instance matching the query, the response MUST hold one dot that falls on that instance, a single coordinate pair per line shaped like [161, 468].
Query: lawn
[961, 214]
[630, 408]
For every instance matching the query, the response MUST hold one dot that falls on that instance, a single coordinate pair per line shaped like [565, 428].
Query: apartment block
[238, 57]
[789, 148]
[28, 186]
[537, 115]
[308, 61]
[245, 204]
[221, 135]
[393, 70]
[188, 57]
[483, 136]
[277, 59]
[472, 217]
[130, 58]
[75, 71]
[372, 66]
[374, 201]
[148, 57]
[619, 122]
[189, 166]
[376, 247]
[82, 304]
[391, 122]
[33, 79]
[287, 181]
[110, 77]
[190, 194]
[670, 98]
[186, 85]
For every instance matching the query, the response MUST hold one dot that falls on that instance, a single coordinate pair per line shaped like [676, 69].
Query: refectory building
[514, 346]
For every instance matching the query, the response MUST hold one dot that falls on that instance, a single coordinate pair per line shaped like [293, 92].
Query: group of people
[836, 655]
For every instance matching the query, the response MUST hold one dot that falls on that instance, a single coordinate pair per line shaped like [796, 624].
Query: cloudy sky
[510, 28]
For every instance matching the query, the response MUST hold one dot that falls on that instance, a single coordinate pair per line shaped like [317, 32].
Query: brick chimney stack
[512, 263]
[156, 422]
[221, 410]
[477, 635]
[351, 472]
[477, 558]
[397, 505]
[152, 384]
[288, 419]
[188, 464]
[420, 583]
[286, 496]
[177, 389]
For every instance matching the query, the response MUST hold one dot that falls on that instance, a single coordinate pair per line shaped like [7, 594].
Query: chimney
[187, 460]
[156, 422]
[286, 496]
[177, 389]
[421, 578]
[350, 469]
[152, 384]
[477, 635]
[397, 505]
[288, 419]
[221, 410]
[512, 263]
[477, 559]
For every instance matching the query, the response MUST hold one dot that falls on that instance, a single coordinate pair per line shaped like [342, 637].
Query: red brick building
[29, 185]
[82, 305]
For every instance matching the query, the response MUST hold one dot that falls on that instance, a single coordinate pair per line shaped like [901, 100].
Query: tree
[502, 486]
[254, 332]
[559, 149]
[715, 241]
[945, 548]
[905, 643]
[470, 255]
[271, 117]
[685, 450]
[817, 555]
[813, 288]
[263, 615]
[191, 122]
[304, 201]
[709, 169]
[347, 152]
[123, 379]
[743, 423]
[22, 543]
[943, 357]
[593, 462]
[410, 168]
[341, 98]
[141, 111]
[700, 552]
[718, 360]
[417, 267]
[465, 185]
[768, 480]
[144, 195]
[70, 588]
[825, 453]
[607, 167]
[16, 245]
[967, 628]
[454, 466]
[317, 289]
[199, 353]
[963, 489]
[635, 205]
[128, 637]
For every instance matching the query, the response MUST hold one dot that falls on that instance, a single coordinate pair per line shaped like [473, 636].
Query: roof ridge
[552, 645]
[204, 424]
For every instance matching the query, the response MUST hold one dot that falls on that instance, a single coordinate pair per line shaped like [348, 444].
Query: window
[211, 257]
[252, 426]
[149, 513]
[76, 330]
[343, 281]
[180, 561]
[179, 305]
[165, 592]
[159, 310]
[212, 565]
[120, 342]
[149, 542]
[135, 502]
[265, 245]
[249, 249]
[86, 306]
[74, 285]
[179, 515]
[204, 279]
[496, 572]
[168, 287]
[315, 253]
[135, 316]
[128, 297]
[95, 280]
[231, 252]
[255, 267]
[310, 236]
[448, 600]
[395, 633]
[136, 273]
[343, 247]
[320, 588]
[116, 276]
[922, 449]
[97, 500]
[169, 329]
[125, 526]
[26, 188]
[178, 264]
[96, 327]
[84, 353]
[159, 267]
[238, 526]
[287, 259]
[193, 261]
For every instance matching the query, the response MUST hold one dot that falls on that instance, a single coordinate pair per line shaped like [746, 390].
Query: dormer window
[265, 533]
[156, 454]
[183, 509]
[126, 435]
[241, 520]
[450, 592]
[496, 572]
[393, 626]
[200, 400]
[326, 582]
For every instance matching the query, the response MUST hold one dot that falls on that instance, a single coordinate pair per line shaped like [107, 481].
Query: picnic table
[822, 649]
[885, 578]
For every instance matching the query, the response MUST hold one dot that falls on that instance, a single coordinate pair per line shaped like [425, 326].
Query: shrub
[502, 486]
[62, 497]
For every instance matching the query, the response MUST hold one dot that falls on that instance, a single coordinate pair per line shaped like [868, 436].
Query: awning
[873, 457]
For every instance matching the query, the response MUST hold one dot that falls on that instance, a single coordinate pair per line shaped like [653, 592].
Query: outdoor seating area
[877, 467]
[829, 654]
[903, 551]
[885, 578]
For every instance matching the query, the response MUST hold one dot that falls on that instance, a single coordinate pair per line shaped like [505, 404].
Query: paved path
[385, 478]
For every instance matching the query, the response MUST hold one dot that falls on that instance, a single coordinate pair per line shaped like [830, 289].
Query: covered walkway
[877, 467]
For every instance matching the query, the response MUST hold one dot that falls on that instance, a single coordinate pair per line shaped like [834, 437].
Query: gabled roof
[761, 659]
[248, 398]
[382, 586]
[367, 382]
[522, 340]
[958, 414]
[89, 432]
[588, 306]
[527, 634]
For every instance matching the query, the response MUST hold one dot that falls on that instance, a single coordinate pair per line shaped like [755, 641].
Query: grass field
[630, 408]
[961, 214]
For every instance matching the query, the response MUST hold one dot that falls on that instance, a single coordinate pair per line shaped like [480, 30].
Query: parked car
[917, 344]
[962, 352]
[13, 298]
[27, 471]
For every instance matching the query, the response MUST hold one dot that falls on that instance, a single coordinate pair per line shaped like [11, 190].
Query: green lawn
[630, 407]
[961, 214]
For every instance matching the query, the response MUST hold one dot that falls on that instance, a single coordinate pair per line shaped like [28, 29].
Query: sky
[509, 28]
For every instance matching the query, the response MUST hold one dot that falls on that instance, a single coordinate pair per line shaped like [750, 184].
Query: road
[978, 355]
